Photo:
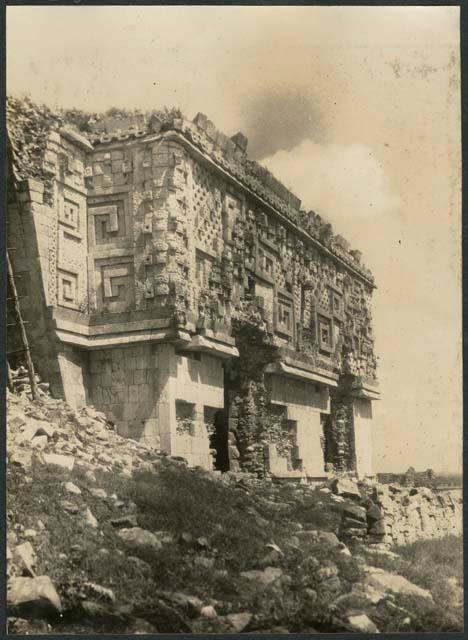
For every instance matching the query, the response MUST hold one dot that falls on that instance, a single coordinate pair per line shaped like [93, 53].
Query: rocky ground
[108, 535]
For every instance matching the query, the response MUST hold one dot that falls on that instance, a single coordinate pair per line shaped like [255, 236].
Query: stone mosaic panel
[207, 211]
[108, 222]
[114, 283]
[67, 289]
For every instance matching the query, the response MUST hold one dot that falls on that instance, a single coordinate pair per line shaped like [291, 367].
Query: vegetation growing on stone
[134, 541]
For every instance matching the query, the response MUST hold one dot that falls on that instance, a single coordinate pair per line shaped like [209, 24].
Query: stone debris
[36, 593]
[72, 488]
[362, 623]
[90, 519]
[208, 612]
[137, 537]
[268, 575]
[88, 444]
[385, 581]
[345, 488]
[127, 521]
[98, 493]
[57, 460]
[69, 507]
[26, 558]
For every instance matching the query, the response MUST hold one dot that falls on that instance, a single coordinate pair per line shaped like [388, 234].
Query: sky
[356, 109]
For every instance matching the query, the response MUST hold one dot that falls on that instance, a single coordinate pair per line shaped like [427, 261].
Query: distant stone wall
[413, 514]
[396, 515]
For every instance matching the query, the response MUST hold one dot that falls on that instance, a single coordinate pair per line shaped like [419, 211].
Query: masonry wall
[139, 388]
[173, 229]
[130, 385]
[199, 382]
[419, 513]
[305, 402]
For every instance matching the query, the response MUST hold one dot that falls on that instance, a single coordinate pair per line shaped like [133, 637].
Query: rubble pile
[321, 564]
[85, 437]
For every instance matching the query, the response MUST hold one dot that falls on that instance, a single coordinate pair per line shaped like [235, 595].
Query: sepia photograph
[233, 254]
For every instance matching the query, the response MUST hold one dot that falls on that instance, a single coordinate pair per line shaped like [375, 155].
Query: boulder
[34, 428]
[25, 556]
[100, 593]
[349, 523]
[346, 488]
[238, 621]
[21, 458]
[343, 550]
[362, 623]
[39, 442]
[377, 528]
[69, 507]
[385, 581]
[137, 537]
[374, 513]
[58, 460]
[268, 575]
[98, 493]
[36, 595]
[355, 512]
[72, 488]
[89, 519]
[328, 537]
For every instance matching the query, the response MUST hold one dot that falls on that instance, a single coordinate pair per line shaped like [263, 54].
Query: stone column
[362, 411]
[351, 433]
[167, 372]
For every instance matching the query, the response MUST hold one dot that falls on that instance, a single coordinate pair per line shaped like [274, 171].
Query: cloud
[279, 119]
[345, 184]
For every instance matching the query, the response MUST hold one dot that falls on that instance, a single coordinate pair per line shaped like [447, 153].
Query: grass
[227, 527]
[430, 564]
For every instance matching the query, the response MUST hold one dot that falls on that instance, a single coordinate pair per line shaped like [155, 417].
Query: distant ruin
[179, 287]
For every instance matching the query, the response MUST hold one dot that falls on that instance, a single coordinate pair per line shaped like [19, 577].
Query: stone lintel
[76, 138]
[356, 388]
[368, 394]
[283, 369]
[202, 344]
[305, 365]
[219, 337]
[79, 323]
[103, 342]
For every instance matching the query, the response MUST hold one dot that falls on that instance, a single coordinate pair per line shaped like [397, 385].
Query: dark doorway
[219, 437]
[327, 439]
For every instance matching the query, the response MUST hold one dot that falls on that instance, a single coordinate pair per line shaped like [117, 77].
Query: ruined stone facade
[179, 287]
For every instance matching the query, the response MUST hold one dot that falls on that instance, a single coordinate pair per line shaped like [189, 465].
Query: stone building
[179, 287]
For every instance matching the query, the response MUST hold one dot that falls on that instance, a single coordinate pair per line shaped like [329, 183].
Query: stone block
[351, 523]
[355, 512]
[106, 380]
[145, 393]
[377, 528]
[139, 376]
[345, 488]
